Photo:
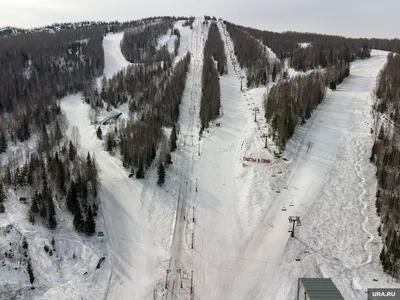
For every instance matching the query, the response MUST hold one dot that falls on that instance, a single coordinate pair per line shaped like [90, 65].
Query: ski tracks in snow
[361, 150]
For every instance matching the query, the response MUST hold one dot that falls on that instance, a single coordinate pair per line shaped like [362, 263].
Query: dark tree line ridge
[251, 55]
[139, 44]
[214, 64]
[386, 155]
[292, 102]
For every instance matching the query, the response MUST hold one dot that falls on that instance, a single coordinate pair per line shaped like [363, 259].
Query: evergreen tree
[2, 193]
[44, 141]
[72, 198]
[51, 212]
[161, 174]
[78, 220]
[2, 208]
[35, 203]
[274, 73]
[90, 222]
[140, 171]
[89, 169]
[30, 273]
[110, 141]
[381, 134]
[71, 151]
[58, 134]
[173, 138]
[3, 142]
[99, 133]
[168, 159]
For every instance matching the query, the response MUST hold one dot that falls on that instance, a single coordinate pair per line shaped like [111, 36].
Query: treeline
[214, 64]
[324, 50]
[334, 52]
[139, 44]
[189, 22]
[139, 139]
[388, 91]
[35, 69]
[177, 41]
[386, 155]
[292, 102]
[136, 84]
[214, 47]
[112, 26]
[336, 73]
[57, 178]
[251, 55]
[208, 18]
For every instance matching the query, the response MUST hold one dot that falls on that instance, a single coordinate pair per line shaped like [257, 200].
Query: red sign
[260, 160]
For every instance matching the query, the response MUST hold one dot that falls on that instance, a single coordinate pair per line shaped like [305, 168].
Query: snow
[304, 45]
[131, 256]
[186, 39]
[185, 158]
[243, 248]
[139, 216]
[167, 40]
[59, 276]
[114, 61]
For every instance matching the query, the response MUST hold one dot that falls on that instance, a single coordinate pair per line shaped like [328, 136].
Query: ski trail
[180, 256]
[360, 147]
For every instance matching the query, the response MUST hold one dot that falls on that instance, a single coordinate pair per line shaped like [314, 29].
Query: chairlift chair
[278, 191]
[272, 175]
[285, 187]
[283, 208]
[298, 258]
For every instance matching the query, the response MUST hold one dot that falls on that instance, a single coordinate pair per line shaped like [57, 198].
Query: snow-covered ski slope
[242, 246]
[218, 227]
[185, 156]
[131, 256]
[139, 215]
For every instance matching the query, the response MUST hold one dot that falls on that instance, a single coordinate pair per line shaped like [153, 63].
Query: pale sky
[356, 18]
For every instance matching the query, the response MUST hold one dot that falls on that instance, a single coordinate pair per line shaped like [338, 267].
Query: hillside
[162, 158]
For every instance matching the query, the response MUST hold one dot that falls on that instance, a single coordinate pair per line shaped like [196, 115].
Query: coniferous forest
[292, 102]
[40, 66]
[386, 156]
[214, 65]
[251, 55]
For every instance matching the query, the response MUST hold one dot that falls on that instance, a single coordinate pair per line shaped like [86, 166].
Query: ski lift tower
[293, 220]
